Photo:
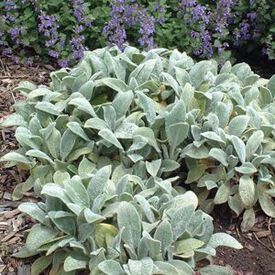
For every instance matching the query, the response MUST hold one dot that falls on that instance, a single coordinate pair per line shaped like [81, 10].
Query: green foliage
[105, 142]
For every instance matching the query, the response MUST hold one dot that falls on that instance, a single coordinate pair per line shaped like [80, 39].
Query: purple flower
[63, 63]
[7, 52]
[199, 12]
[77, 45]
[115, 30]
[244, 31]
[9, 5]
[79, 13]
[9, 17]
[48, 26]
[29, 61]
[79, 29]
[252, 16]
[14, 32]
[53, 54]
[147, 29]
[185, 4]
[223, 14]
[205, 49]
[160, 11]
[125, 15]
[15, 59]
[1, 41]
[195, 34]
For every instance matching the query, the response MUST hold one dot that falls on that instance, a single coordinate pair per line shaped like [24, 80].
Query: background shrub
[63, 30]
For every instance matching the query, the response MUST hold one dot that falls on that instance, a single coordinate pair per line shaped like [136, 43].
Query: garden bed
[257, 257]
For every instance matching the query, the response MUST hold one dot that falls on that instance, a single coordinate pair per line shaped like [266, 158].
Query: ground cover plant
[202, 28]
[103, 145]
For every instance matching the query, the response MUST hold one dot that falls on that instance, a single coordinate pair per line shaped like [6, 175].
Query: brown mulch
[12, 223]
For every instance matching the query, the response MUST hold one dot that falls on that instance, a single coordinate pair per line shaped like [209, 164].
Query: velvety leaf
[146, 208]
[95, 123]
[177, 114]
[144, 266]
[196, 153]
[167, 268]
[47, 107]
[171, 82]
[177, 133]
[182, 76]
[164, 234]
[248, 220]
[223, 239]
[267, 204]
[148, 106]
[126, 130]
[38, 236]
[76, 129]
[253, 143]
[83, 105]
[238, 125]
[39, 154]
[92, 217]
[86, 168]
[239, 147]
[169, 165]
[128, 217]
[247, 191]
[185, 248]
[222, 194]
[67, 143]
[153, 167]
[13, 120]
[40, 264]
[122, 103]
[199, 70]
[246, 168]
[219, 155]
[54, 190]
[115, 84]
[98, 182]
[38, 92]
[143, 72]
[33, 210]
[180, 219]
[109, 136]
[72, 264]
[76, 191]
[216, 270]
[212, 136]
[236, 204]
[149, 136]
[111, 267]
[16, 157]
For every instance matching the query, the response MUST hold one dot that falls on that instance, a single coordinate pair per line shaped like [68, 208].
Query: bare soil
[258, 254]
[257, 257]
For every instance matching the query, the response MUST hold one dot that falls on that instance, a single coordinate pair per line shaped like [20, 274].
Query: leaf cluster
[105, 144]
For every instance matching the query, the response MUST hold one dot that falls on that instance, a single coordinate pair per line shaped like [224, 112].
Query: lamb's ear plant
[154, 106]
[119, 224]
[167, 122]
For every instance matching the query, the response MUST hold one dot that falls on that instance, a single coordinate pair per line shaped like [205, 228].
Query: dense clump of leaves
[104, 145]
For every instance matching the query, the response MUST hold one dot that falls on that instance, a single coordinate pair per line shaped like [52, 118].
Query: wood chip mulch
[12, 223]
